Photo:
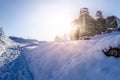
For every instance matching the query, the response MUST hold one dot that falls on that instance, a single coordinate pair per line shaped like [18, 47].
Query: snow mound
[75, 60]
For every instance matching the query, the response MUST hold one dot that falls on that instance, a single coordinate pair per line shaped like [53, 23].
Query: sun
[51, 21]
[58, 20]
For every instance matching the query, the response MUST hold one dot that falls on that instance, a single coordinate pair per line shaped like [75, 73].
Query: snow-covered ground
[65, 60]
[75, 60]
[13, 66]
[8, 51]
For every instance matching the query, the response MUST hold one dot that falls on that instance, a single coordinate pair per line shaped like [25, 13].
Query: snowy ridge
[75, 60]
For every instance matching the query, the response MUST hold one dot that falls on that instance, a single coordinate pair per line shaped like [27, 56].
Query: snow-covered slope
[65, 60]
[22, 40]
[25, 42]
[6, 50]
[75, 60]
[12, 63]
[4, 43]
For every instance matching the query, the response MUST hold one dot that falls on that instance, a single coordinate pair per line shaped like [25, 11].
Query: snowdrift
[12, 64]
[75, 60]
[6, 50]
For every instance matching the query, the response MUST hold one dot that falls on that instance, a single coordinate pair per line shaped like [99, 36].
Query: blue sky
[43, 19]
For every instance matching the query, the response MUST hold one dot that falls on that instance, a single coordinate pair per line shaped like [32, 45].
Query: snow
[63, 60]
[8, 50]
[31, 47]
[13, 66]
[75, 60]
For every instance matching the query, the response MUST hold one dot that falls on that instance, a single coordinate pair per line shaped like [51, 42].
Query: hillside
[63, 60]
[75, 60]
